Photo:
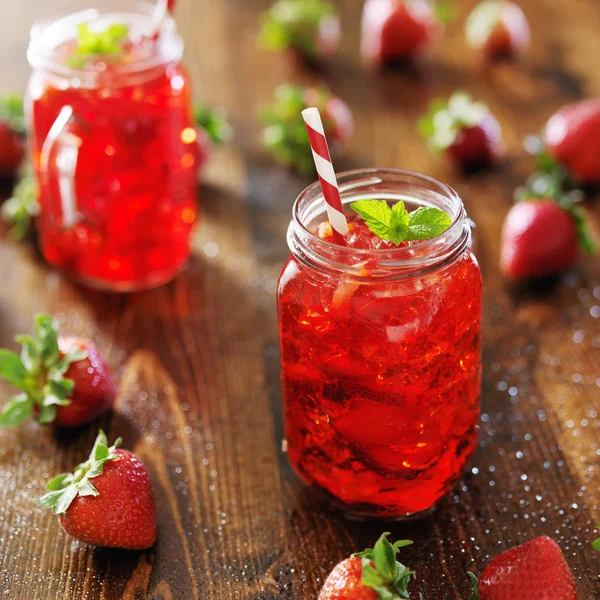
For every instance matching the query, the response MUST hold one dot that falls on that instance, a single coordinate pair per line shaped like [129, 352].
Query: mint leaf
[376, 214]
[92, 43]
[22, 207]
[596, 543]
[214, 122]
[446, 12]
[427, 222]
[12, 111]
[11, 368]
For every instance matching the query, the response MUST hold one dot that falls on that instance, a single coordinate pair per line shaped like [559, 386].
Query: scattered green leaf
[475, 594]
[596, 543]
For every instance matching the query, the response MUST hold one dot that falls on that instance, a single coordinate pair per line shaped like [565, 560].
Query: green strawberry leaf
[596, 543]
[445, 12]
[475, 594]
[11, 368]
[22, 207]
[294, 24]
[397, 225]
[46, 414]
[214, 121]
[13, 113]
[382, 572]
[64, 488]
[16, 411]
[385, 558]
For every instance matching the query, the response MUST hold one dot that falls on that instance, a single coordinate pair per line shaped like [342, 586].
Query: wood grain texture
[198, 361]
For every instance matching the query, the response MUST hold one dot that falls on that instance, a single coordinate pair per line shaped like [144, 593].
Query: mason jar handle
[67, 146]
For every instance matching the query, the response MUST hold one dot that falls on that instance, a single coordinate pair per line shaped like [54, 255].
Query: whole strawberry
[396, 30]
[465, 130]
[309, 27]
[12, 135]
[539, 238]
[373, 574]
[536, 570]
[498, 28]
[572, 138]
[285, 134]
[107, 500]
[64, 380]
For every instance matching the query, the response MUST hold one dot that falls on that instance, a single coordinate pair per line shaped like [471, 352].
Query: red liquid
[381, 382]
[135, 179]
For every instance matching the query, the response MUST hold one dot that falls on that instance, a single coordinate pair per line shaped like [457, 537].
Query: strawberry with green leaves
[545, 231]
[498, 28]
[536, 570]
[107, 500]
[12, 134]
[373, 574]
[309, 27]
[465, 130]
[212, 129]
[64, 380]
[285, 133]
[397, 30]
[572, 139]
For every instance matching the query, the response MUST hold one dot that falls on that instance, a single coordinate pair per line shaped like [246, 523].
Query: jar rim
[420, 255]
[47, 34]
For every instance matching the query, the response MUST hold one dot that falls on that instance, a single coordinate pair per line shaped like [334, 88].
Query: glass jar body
[115, 160]
[381, 378]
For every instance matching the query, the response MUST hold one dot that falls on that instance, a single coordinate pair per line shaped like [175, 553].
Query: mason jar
[380, 353]
[113, 146]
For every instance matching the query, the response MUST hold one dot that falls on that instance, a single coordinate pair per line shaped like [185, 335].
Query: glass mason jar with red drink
[113, 146]
[380, 350]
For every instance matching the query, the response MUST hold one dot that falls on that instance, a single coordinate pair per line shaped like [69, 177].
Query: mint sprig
[39, 372]
[22, 207]
[92, 43]
[214, 122]
[442, 124]
[66, 487]
[382, 572]
[397, 225]
[294, 24]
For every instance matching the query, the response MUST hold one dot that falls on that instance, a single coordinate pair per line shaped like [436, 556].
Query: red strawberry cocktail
[113, 145]
[380, 351]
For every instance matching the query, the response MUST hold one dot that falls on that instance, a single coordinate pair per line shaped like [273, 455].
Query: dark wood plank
[198, 360]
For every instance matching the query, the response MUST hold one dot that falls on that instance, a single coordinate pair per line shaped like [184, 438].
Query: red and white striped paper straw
[329, 185]
[158, 17]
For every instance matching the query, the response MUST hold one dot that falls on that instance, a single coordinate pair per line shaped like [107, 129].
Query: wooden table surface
[198, 359]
